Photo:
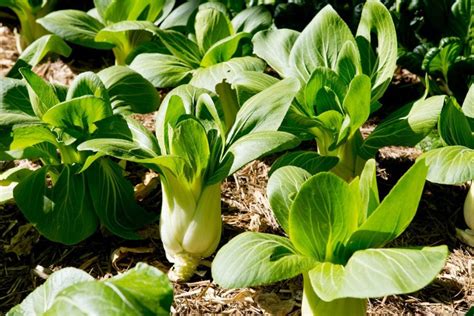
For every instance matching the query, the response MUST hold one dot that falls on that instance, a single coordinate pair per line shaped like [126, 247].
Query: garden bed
[27, 258]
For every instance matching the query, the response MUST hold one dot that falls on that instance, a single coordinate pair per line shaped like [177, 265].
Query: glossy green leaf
[450, 165]
[406, 127]
[348, 62]
[390, 219]
[454, 126]
[282, 188]
[323, 215]
[357, 102]
[323, 81]
[320, 43]
[211, 26]
[310, 161]
[255, 145]
[41, 93]
[37, 51]
[114, 200]
[87, 83]
[264, 111]
[382, 271]
[369, 191]
[181, 47]
[75, 26]
[77, 116]
[376, 19]
[15, 106]
[440, 59]
[252, 20]
[468, 104]
[252, 259]
[163, 71]
[43, 297]
[129, 91]
[63, 213]
[209, 77]
[9, 179]
[248, 83]
[274, 46]
[28, 135]
[224, 49]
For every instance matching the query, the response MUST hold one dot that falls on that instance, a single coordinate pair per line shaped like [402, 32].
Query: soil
[27, 258]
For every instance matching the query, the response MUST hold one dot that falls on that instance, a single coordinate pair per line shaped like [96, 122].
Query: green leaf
[348, 62]
[357, 102]
[163, 71]
[119, 148]
[252, 20]
[450, 165]
[77, 116]
[264, 111]
[369, 191]
[439, 59]
[114, 200]
[181, 47]
[87, 83]
[248, 83]
[129, 91]
[15, 106]
[468, 104]
[454, 126]
[143, 290]
[75, 26]
[179, 18]
[379, 67]
[43, 297]
[28, 135]
[224, 49]
[9, 179]
[382, 271]
[310, 161]
[63, 213]
[282, 188]
[255, 145]
[36, 52]
[321, 82]
[390, 219]
[189, 141]
[320, 43]
[41, 93]
[274, 46]
[252, 259]
[209, 77]
[406, 127]
[211, 26]
[323, 215]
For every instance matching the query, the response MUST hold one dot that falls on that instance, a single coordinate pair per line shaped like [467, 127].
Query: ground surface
[26, 258]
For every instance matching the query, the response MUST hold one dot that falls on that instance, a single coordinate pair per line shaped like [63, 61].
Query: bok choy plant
[67, 197]
[203, 140]
[28, 11]
[122, 26]
[337, 233]
[454, 163]
[219, 46]
[143, 290]
[342, 77]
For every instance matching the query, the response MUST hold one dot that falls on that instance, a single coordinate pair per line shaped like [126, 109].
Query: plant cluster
[239, 86]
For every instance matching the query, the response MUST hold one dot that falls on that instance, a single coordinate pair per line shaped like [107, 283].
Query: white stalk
[190, 224]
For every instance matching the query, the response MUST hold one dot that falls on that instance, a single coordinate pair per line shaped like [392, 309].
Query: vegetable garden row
[295, 84]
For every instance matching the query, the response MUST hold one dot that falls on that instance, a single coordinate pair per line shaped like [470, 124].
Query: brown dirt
[245, 207]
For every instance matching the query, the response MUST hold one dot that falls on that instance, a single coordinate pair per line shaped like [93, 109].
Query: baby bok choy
[337, 231]
[454, 162]
[204, 139]
[68, 197]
